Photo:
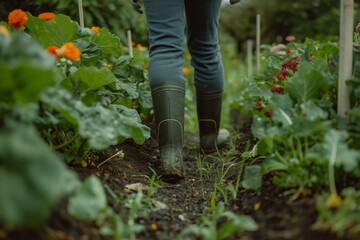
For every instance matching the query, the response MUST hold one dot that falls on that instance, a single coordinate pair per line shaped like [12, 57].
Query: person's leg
[166, 26]
[202, 38]
[202, 35]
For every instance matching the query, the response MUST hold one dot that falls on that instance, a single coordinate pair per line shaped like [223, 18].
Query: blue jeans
[166, 21]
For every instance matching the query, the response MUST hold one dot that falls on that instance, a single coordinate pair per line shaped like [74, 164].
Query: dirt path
[184, 203]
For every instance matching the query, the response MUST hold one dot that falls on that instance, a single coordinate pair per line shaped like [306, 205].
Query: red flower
[276, 88]
[290, 64]
[52, 51]
[268, 113]
[281, 75]
[259, 105]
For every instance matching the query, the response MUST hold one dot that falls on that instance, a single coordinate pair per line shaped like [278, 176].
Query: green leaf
[93, 77]
[109, 43]
[130, 88]
[102, 126]
[336, 148]
[25, 72]
[252, 177]
[235, 224]
[90, 52]
[270, 165]
[312, 112]
[32, 178]
[58, 31]
[23, 83]
[89, 200]
[307, 83]
[265, 145]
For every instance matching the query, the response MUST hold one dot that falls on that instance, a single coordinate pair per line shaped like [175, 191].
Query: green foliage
[56, 32]
[117, 16]
[25, 72]
[252, 177]
[294, 126]
[101, 126]
[318, 19]
[88, 201]
[75, 106]
[32, 177]
[221, 224]
[307, 83]
[345, 220]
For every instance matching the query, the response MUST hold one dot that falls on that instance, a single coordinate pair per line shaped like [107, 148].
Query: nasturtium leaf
[88, 201]
[58, 31]
[307, 83]
[109, 43]
[94, 78]
[252, 177]
[32, 178]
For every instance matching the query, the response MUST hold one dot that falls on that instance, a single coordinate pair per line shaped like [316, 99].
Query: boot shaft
[168, 101]
[209, 113]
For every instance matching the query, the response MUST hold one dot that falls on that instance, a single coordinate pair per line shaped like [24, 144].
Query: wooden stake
[131, 53]
[345, 62]
[258, 21]
[249, 55]
[81, 13]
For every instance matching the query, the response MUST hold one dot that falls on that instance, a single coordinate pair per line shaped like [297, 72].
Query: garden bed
[276, 216]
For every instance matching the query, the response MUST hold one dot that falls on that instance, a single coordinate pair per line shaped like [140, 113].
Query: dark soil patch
[186, 201]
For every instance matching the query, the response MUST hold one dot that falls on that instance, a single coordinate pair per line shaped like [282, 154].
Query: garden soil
[185, 201]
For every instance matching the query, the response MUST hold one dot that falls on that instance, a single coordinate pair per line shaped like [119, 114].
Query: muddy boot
[209, 111]
[168, 100]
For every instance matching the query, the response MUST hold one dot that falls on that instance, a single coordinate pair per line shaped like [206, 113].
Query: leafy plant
[221, 224]
[33, 178]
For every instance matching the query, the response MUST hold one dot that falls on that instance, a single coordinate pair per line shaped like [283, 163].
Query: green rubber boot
[168, 101]
[209, 112]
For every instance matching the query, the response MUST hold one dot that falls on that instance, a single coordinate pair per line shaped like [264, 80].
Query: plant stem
[66, 143]
[299, 147]
[280, 157]
[331, 171]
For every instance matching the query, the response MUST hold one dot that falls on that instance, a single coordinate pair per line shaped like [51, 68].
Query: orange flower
[138, 46]
[17, 18]
[47, 16]
[186, 71]
[95, 29]
[147, 67]
[53, 51]
[70, 51]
